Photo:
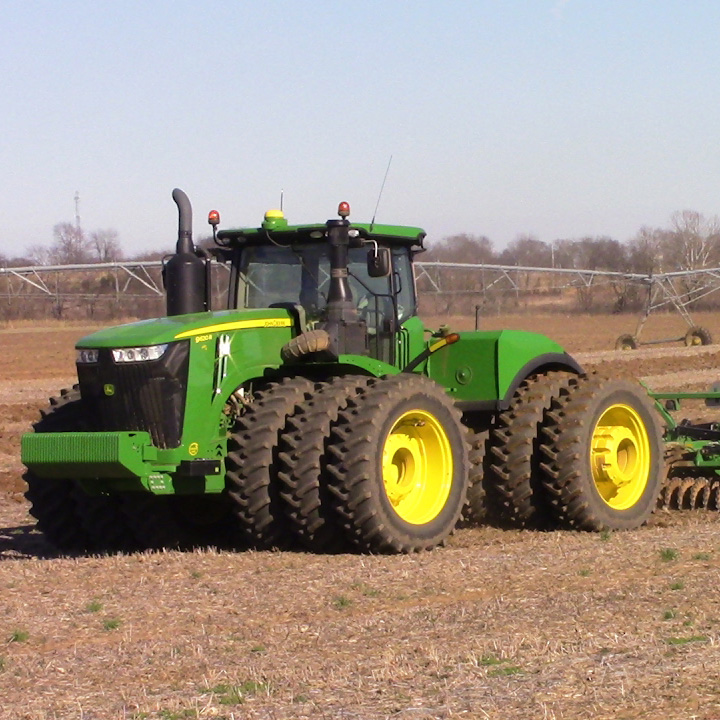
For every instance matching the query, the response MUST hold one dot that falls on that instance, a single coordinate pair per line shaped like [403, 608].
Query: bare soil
[499, 624]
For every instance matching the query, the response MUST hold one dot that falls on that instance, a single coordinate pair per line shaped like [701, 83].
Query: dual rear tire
[577, 452]
[379, 465]
[398, 465]
[602, 449]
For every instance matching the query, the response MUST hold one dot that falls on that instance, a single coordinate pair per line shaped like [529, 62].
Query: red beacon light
[214, 218]
[344, 209]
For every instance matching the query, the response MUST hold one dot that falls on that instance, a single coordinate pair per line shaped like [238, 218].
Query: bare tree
[105, 245]
[692, 242]
[528, 251]
[462, 248]
[644, 251]
[70, 246]
[38, 255]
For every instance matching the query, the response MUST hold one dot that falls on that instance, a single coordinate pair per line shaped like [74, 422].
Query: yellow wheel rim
[417, 467]
[620, 457]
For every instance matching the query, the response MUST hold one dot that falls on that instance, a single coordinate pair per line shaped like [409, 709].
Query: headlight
[139, 354]
[84, 356]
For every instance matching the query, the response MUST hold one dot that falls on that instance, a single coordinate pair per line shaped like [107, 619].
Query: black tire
[303, 465]
[179, 522]
[152, 521]
[602, 480]
[475, 510]
[251, 463]
[697, 336]
[53, 502]
[626, 342]
[515, 493]
[207, 520]
[102, 519]
[368, 458]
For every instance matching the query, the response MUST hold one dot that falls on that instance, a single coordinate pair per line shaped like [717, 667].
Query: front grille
[146, 395]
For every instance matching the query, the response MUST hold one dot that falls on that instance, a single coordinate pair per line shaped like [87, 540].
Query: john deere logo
[193, 449]
[109, 389]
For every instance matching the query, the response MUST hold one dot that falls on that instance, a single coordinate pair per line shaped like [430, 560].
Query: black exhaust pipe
[184, 241]
[184, 273]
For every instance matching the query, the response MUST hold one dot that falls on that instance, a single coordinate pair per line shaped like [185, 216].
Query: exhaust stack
[184, 273]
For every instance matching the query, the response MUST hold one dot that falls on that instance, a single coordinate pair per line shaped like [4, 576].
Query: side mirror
[378, 262]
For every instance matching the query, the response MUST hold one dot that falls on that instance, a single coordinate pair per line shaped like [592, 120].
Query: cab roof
[278, 231]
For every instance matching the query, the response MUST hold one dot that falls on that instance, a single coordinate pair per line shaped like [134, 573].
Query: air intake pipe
[184, 273]
[346, 330]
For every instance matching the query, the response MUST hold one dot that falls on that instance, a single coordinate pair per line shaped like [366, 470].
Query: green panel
[220, 362]
[467, 368]
[411, 341]
[516, 349]
[85, 455]
[284, 233]
[481, 366]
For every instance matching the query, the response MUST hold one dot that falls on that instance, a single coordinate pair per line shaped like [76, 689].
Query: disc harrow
[691, 493]
[685, 487]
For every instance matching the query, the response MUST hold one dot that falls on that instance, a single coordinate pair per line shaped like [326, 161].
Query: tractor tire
[179, 522]
[251, 464]
[475, 510]
[398, 459]
[513, 482]
[603, 452]
[697, 336]
[302, 465]
[151, 519]
[626, 342]
[54, 502]
[207, 520]
[102, 519]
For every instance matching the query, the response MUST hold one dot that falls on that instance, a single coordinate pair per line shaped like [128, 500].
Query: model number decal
[200, 334]
[202, 338]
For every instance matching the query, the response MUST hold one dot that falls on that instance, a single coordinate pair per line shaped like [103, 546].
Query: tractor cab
[355, 280]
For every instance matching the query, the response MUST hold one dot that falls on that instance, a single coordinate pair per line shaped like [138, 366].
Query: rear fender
[541, 364]
[482, 370]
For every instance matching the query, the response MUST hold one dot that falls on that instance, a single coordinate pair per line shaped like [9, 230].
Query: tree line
[691, 242]
[71, 245]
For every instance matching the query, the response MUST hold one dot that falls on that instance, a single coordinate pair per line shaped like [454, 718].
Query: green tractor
[317, 408]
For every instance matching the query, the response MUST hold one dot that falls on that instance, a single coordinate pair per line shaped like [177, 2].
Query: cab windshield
[272, 274]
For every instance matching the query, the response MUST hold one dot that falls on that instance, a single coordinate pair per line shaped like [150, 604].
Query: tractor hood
[178, 327]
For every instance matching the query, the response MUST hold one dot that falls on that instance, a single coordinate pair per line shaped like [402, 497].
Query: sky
[554, 118]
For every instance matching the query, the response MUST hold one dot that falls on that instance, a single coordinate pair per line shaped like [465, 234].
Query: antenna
[382, 187]
[282, 194]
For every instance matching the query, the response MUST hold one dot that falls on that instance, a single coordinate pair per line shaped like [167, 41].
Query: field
[498, 624]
